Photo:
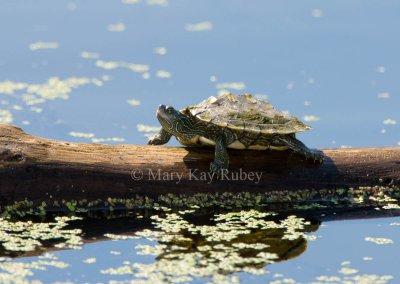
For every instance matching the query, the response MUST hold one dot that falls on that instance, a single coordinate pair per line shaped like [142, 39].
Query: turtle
[237, 122]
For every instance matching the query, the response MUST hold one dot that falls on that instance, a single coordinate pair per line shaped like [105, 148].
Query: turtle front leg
[161, 138]
[219, 166]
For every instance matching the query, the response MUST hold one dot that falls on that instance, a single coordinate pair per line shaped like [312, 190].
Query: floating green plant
[378, 197]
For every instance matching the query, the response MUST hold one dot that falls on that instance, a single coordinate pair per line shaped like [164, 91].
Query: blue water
[335, 60]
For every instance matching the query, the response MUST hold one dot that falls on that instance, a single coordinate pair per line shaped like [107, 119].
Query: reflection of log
[124, 223]
[44, 170]
[94, 229]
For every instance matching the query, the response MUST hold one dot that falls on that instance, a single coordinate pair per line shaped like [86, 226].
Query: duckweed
[90, 260]
[303, 200]
[199, 27]
[379, 241]
[28, 236]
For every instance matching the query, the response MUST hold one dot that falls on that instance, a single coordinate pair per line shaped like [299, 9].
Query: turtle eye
[169, 110]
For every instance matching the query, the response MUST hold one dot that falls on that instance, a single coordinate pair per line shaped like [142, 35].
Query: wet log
[40, 169]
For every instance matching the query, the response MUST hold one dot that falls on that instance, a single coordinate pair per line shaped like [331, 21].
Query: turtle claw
[316, 156]
[217, 170]
[155, 141]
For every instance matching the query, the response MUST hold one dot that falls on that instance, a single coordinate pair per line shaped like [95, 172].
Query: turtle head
[176, 122]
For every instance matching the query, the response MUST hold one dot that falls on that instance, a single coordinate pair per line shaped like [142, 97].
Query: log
[38, 169]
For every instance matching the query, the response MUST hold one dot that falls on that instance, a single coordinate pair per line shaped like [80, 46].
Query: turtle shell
[246, 113]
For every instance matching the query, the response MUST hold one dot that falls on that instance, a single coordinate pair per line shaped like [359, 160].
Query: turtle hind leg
[299, 148]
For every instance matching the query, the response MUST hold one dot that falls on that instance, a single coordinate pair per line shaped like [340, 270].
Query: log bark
[41, 169]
